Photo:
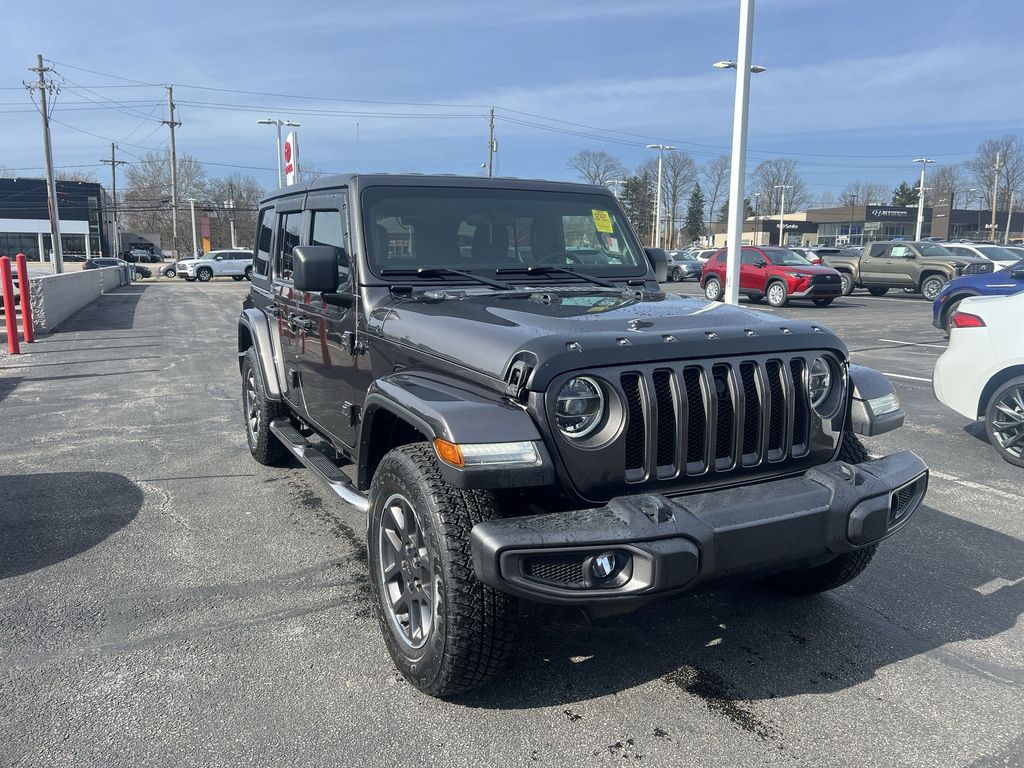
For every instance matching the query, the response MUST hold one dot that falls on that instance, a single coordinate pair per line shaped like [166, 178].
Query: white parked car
[999, 256]
[981, 374]
[235, 264]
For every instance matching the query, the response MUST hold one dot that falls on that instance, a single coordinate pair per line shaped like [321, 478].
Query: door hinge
[350, 343]
[293, 379]
[350, 411]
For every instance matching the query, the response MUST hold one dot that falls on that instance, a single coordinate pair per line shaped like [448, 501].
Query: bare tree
[772, 174]
[244, 192]
[309, 172]
[716, 183]
[679, 174]
[6, 173]
[88, 176]
[596, 167]
[827, 199]
[949, 183]
[146, 205]
[1011, 168]
[866, 193]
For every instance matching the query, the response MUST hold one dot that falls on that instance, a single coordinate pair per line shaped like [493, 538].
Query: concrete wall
[56, 297]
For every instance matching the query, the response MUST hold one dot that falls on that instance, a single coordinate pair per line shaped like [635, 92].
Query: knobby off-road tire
[467, 632]
[843, 568]
[258, 412]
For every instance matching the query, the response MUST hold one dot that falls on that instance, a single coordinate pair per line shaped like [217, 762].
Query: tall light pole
[657, 205]
[920, 196]
[757, 220]
[737, 169]
[279, 123]
[195, 241]
[617, 183]
[971, 192]
[853, 202]
[782, 212]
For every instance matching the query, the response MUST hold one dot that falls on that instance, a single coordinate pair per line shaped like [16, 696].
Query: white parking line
[914, 343]
[904, 376]
[1014, 497]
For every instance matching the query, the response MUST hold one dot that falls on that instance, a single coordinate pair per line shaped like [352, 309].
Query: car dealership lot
[167, 600]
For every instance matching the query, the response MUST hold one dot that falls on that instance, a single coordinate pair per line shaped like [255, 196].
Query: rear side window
[289, 234]
[264, 235]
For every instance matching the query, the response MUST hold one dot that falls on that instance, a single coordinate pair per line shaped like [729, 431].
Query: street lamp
[853, 202]
[782, 212]
[279, 123]
[757, 221]
[920, 196]
[738, 159]
[617, 191]
[657, 206]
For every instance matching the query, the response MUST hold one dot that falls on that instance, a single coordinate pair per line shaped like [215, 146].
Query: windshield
[995, 253]
[930, 249]
[482, 230]
[784, 257]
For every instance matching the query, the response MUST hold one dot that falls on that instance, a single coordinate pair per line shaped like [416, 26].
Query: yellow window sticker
[602, 221]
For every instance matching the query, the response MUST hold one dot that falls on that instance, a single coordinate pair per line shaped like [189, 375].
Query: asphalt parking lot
[164, 600]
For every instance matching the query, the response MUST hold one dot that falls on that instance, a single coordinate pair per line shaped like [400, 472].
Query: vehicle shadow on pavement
[7, 386]
[111, 312]
[49, 517]
[976, 429]
[746, 643]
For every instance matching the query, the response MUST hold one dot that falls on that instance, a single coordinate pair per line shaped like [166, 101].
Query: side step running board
[318, 464]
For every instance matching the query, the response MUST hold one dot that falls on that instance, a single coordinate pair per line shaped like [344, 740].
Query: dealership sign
[891, 213]
[291, 158]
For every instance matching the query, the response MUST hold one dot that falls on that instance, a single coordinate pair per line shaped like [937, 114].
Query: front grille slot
[635, 427]
[716, 417]
[562, 570]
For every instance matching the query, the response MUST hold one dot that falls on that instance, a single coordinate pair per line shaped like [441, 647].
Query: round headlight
[819, 382]
[579, 407]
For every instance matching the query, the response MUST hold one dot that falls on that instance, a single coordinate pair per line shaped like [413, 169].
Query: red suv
[776, 273]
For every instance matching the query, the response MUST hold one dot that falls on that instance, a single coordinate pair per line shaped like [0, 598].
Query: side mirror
[659, 261]
[315, 268]
[762, 263]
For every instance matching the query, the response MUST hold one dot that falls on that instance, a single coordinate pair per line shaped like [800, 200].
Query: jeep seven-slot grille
[693, 419]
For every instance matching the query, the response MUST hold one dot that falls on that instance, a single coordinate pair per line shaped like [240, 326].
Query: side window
[751, 257]
[899, 252]
[957, 251]
[329, 229]
[264, 234]
[289, 232]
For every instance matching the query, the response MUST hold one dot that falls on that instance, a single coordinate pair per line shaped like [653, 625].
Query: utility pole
[995, 196]
[51, 185]
[172, 124]
[491, 146]
[657, 204]
[1009, 216]
[115, 234]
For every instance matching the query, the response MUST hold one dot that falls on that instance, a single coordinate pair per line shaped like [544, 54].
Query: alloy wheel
[931, 288]
[406, 572]
[776, 295]
[713, 290]
[252, 408]
[1008, 422]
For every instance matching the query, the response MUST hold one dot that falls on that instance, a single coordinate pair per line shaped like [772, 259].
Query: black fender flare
[254, 331]
[438, 407]
[867, 384]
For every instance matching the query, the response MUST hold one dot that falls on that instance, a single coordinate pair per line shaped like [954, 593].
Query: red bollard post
[7, 287]
[26, 300]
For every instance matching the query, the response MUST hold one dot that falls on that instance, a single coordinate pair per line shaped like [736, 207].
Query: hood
[807, 269]
[556, 330]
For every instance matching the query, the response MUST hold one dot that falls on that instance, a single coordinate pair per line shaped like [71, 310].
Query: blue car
[1005, 282]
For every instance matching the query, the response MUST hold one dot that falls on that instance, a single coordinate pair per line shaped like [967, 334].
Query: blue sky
[854, 90]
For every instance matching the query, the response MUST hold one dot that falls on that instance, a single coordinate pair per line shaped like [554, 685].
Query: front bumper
[818, 292]
[664, 546]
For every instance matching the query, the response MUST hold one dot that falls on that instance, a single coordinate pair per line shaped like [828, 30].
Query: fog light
[604, 566]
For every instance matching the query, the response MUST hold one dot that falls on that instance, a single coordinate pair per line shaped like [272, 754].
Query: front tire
[878, 291]
[846, 283]
[713, 289]
[777, 294]
[248, 273]
[203, 275]
[843, 568]
[237, 278]
[931, 286]
[171, 273]
[445, 630]
[823, 301]
[258, 411]
[677, 275]
[1004, 421]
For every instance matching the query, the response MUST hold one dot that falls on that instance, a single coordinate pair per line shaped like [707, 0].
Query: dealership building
[25, 218]
[859, 224]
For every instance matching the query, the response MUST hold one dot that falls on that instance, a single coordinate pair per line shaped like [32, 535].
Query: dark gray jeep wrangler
[488, 369]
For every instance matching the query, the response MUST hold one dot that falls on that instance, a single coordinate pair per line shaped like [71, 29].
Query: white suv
[233, 264]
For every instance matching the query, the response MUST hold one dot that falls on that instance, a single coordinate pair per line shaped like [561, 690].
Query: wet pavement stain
[714, 692]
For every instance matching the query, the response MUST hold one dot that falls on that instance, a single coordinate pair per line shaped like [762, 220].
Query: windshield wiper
[435, 271]
[542, 269]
